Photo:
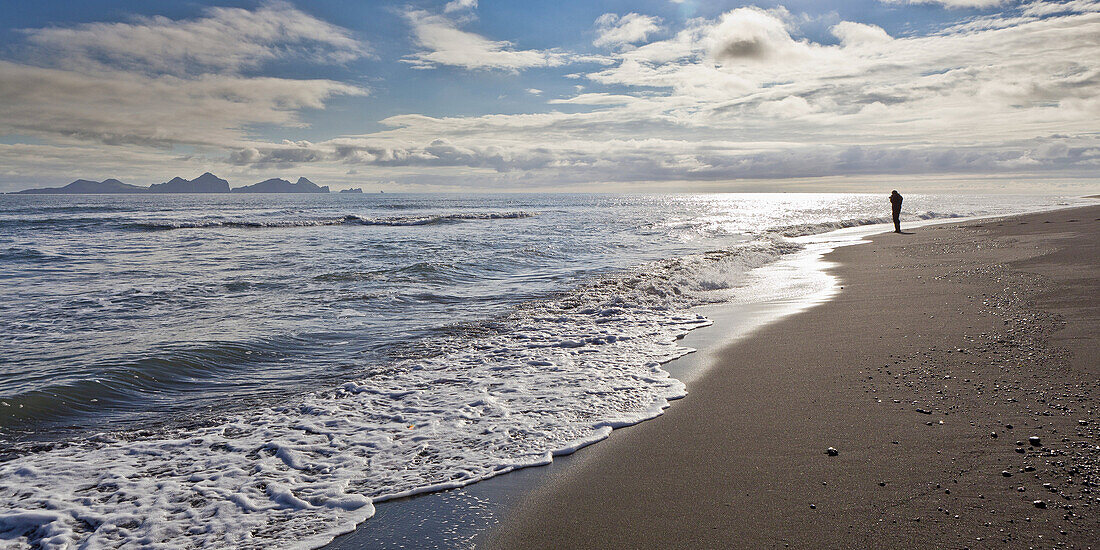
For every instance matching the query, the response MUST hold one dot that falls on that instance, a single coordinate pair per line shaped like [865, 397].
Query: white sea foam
[802, 230]
[560, 375]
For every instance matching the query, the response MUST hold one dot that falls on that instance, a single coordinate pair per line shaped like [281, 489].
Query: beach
[954, 374]
[394, 399]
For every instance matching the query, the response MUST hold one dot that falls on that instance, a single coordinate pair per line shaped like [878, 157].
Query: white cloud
[851, 33]
[752, 35]
[460, 5]
[444, 43]
[1043, 7]
[631, 28]
[160, 83]
[118, 107]
[739, 97]
[596, 99]
[534, 91]
[952, 3]
[788, 107]
[225, 39]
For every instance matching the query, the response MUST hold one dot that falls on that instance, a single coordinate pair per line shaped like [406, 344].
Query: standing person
[895, 203]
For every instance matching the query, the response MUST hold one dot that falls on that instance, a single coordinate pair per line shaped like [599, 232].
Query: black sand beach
[956, 375]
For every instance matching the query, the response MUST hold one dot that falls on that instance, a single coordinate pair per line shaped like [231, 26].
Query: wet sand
[946, 350]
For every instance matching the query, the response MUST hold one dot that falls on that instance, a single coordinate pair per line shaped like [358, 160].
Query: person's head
[894, 192]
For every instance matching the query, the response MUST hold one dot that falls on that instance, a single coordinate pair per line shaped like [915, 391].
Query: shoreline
[740, 469]
[459, 517]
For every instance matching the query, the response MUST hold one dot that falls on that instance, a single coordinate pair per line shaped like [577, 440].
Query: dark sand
[944, 352]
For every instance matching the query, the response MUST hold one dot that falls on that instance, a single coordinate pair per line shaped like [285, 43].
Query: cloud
[118, 108]
[954, 4]
[534, 91]
[615, 31]
[460, 5]
[740, 97]
[851, 33]
[443, 43]
[737, 97]
[160, 83]
[788, 107]
[1043, 8]
[224, 40]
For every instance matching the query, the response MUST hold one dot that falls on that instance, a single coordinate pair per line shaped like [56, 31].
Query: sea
[257, 371]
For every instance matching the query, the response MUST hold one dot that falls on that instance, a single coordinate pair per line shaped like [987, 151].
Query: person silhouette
[895, 204]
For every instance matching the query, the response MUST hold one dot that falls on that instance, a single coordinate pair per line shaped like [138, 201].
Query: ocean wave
[801, 230]
[50, 222]
[15, 254]
[547, 379]
[122, 382]
[65, 208]
[427, 219]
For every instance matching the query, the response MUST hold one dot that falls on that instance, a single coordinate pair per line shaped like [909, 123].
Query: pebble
[993, 435]
[831, 451]
[1039, 504]
[1034, 440]
[1006, 473]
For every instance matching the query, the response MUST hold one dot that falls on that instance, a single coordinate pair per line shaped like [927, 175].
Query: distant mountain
[352, 190]
[277, 185]
[206, 183]
[88, 187]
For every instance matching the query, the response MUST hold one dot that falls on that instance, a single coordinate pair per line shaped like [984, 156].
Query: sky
[506, 95]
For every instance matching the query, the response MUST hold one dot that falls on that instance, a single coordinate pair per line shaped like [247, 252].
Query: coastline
[462, 517]
[941, 320]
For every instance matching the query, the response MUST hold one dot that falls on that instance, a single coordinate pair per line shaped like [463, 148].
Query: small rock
[1039, 504]
[831, 451]
[813, 507]
[993, 435]
[1034, 440]
[1006, 473]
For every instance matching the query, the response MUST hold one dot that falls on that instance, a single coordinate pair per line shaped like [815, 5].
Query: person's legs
[897, 222]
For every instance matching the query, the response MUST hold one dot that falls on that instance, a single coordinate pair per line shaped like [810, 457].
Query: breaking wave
[427, 219]
[802, 230]
[551, 377]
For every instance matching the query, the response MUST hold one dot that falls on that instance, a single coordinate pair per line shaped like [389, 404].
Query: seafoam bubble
[556, 375]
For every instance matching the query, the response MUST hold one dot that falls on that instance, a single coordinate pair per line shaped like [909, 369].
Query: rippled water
[267, 365]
